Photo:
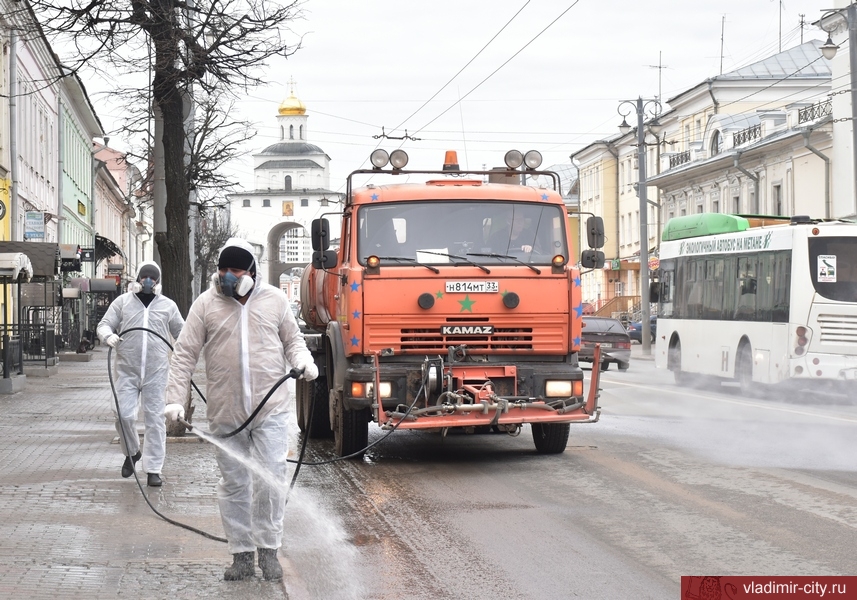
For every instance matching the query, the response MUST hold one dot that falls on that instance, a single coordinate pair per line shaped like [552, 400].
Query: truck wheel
[352, 431]
[312, 407]
[550, 438]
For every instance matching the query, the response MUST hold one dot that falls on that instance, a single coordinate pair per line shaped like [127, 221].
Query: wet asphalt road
[672, 481]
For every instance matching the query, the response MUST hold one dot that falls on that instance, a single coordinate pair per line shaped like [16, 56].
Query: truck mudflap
[475, 404]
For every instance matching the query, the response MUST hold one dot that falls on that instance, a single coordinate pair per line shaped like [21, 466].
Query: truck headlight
[563, 389]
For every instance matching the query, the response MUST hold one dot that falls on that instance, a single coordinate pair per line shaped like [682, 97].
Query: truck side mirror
[324, 259]
[595, 231]
[592, 259]
[320, 235]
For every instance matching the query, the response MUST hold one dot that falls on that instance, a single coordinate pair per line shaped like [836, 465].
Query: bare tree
[216, 46]
[210, 238]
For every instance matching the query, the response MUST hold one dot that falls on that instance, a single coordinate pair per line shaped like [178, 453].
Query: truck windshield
[430, 232]
[833, 267]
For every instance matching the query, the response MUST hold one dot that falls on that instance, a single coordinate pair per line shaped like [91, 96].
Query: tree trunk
[173, 246]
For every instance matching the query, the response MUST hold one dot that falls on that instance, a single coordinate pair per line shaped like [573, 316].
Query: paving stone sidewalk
[72, 527]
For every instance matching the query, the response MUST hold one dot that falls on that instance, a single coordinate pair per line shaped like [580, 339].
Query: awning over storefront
[105, 248]
[70, 258]
[15, 267]
[44, 256]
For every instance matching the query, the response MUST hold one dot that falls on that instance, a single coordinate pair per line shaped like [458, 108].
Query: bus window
[746, 305]
[713, 297]
[667, 283]
[764, 287]
[833, 267]
[782, 287]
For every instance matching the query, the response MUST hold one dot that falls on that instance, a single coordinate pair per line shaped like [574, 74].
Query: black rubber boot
[242, 567]
[128, 466]
[271, 569]
[153, 480]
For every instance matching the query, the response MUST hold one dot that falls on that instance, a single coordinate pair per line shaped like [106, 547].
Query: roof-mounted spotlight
[533, 159]
[379, 158]
[398, 159]
[513, 159]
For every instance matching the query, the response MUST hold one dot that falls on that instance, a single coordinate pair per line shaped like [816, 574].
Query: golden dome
[292, 106]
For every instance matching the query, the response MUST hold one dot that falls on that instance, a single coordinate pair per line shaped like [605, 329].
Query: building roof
[801, 61]
[291, 149]
[289, 164]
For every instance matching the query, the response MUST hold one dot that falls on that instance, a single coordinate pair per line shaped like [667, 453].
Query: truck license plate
[473, 287]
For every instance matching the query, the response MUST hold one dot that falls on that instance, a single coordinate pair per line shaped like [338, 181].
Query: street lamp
[828, 50]
[641, 105]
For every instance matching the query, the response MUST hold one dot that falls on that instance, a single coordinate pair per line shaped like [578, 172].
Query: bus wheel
[744, 369]
[550, 438]
[674, 363]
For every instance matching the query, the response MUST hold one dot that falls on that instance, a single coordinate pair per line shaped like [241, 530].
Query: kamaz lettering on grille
[467, 330]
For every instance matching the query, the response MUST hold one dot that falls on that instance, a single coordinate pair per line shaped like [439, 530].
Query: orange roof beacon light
[398, 159]
[379, 158]
[450, 161]
[513, 159]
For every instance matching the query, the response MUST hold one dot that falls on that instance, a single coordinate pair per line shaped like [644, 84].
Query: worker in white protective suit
[142, 363]
[250, 337]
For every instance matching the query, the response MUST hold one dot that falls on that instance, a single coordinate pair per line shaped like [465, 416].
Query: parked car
[635, 330]
[614, 339]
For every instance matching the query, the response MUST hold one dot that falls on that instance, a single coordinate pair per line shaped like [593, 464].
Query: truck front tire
[550, 438]
[352, 431]
[312, 399]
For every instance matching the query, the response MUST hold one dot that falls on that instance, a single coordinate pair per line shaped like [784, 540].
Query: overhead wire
[495, 71]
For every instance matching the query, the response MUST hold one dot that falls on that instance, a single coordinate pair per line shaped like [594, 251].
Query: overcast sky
[545, 74]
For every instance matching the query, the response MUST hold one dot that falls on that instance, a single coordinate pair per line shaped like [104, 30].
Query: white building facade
[292, 180]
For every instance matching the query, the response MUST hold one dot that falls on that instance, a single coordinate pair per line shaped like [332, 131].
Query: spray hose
[293, 373]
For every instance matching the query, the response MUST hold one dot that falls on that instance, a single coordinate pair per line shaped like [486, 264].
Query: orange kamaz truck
[448, 304]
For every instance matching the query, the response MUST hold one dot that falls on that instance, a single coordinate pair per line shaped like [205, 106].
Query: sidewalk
[72, 527]
[637, 352]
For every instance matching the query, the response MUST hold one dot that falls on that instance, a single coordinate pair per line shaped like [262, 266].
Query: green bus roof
[679, 228]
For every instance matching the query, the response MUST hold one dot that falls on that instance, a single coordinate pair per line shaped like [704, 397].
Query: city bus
[759, 300]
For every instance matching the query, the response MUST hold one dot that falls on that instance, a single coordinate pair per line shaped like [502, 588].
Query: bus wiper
[409, 260]
[516, 259]
[466, 260]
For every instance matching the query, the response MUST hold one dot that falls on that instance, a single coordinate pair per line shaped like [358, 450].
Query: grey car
[614, 339]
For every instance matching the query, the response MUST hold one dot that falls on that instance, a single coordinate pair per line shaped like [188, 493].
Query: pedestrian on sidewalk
[142, 363]
[249, 334]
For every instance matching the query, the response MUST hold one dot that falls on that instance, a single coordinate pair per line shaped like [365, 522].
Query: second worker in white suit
[142, 362]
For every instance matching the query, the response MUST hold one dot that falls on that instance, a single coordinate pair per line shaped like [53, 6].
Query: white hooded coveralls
[247, 349]
[142, 364]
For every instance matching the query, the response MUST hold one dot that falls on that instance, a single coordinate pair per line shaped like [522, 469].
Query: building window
[291, 132]
[777, 194]
[716, 144]
[246, 202]
[736, 204]
[288, 183]
[302, 132]
[266, 203]
[304, 201]
[715, 206]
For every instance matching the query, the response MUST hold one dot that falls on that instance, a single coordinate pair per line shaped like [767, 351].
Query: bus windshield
[483, 232]
[833, 265]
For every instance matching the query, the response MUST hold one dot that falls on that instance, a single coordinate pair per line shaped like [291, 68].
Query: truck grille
[546, 333]
[838, 329]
